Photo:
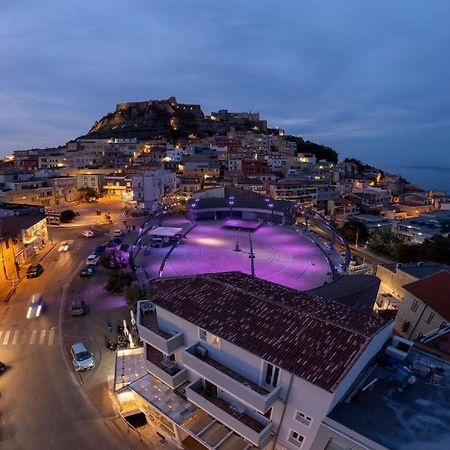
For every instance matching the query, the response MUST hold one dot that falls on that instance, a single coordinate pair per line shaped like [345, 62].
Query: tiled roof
[315, 339]
[434, 291]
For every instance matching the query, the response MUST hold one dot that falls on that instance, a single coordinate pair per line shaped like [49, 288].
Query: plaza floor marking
[33, 337]
[42, 337]
[6, 339]
[15, 337]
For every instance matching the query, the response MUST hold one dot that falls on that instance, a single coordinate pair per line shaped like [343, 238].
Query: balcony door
[211, 388]
[271, 375]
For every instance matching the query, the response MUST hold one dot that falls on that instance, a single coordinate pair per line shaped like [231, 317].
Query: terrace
[163, 368]
[254, 428]
[256, 396]
[150, 331]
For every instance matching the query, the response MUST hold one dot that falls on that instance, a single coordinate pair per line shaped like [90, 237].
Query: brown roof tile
[434, 291]
[315, 339]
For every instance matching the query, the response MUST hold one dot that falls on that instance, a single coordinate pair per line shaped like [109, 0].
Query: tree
[67, 216]
[354, 231]
[384, 241]
[114, 258]
[135, 292]
[119, 281]
[88, 192]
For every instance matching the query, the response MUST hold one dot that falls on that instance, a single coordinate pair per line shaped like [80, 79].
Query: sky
[368, 78]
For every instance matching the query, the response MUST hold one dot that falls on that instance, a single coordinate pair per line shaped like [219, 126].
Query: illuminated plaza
[282, 254]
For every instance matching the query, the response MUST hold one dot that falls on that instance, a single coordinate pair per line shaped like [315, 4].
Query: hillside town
[266, 294]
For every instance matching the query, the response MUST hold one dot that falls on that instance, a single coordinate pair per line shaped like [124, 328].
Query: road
[43, 403]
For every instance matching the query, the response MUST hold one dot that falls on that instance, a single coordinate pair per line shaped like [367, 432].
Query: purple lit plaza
[282, 254]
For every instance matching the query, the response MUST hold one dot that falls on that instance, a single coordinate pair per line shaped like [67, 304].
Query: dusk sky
[368, 78]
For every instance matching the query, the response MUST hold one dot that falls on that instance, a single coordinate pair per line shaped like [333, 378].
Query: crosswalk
[28, 337]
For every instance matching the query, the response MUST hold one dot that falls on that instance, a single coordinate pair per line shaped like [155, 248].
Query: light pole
[270, 205]
[252, 254]
[231, 203]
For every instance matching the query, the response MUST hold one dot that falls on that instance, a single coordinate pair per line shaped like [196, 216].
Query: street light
[270, 205]
[231, 203]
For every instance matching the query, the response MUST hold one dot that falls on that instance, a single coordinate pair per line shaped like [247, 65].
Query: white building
[151, 186]
[236, 362]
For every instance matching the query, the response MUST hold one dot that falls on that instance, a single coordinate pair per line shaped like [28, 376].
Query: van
[157, 242]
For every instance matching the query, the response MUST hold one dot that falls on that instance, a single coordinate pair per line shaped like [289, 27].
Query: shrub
[135, 292]
[114, 258]
[119, 281]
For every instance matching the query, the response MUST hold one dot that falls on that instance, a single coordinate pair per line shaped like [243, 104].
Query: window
[415, 305]
[303, 418]
[406, 325]
[430, 318]
[296, 438]
[271, 375]
[202, 334]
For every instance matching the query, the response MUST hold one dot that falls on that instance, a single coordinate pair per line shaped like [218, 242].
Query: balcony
[161, 367]
[255, 429]
[150, 332]
[259, 398]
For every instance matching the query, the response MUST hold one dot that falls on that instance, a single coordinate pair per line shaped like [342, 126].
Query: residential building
[418, 229]
[298, 191]
[23, 234]
[118, 185]
[150, 187]
[426, 306]
[236, 362]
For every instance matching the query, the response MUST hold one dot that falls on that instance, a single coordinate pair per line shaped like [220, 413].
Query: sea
[427, 178]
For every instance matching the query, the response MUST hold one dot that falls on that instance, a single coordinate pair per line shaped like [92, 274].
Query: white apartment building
[235, 362]
[301, 192]
[151, 186]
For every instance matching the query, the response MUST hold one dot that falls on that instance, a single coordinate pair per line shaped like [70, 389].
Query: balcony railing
[161, 367]
[233, 415]
[250, 393]
[150, 331]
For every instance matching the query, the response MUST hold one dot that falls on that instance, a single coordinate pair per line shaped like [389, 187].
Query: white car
[118, 233]
[92, 260]
[35, 307]
[64, 246]
[81, 357]
[88, 233]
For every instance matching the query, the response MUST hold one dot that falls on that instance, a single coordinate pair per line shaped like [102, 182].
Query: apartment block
[235, 362]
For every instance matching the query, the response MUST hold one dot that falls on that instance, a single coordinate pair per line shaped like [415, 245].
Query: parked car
[114, 242]
[118, 233]
[92, 260]
[100, 250]
[78, 308]
[87, 272]
[81, 357]
[35, 307]
[63, 247]
[88, 233]
[34, 271]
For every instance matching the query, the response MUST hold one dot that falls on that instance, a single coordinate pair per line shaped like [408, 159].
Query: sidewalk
[7, 287]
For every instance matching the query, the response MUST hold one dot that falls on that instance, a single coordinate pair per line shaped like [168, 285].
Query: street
[44, 404]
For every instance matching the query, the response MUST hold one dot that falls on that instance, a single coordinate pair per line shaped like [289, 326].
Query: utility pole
[357, 236]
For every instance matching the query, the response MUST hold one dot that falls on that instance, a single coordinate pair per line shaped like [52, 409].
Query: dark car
[100, 250]
[114, 242]
[78, 308]
[87, 272]
[34, 271]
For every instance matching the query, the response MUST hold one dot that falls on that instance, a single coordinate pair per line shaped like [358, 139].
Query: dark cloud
[369, 78]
